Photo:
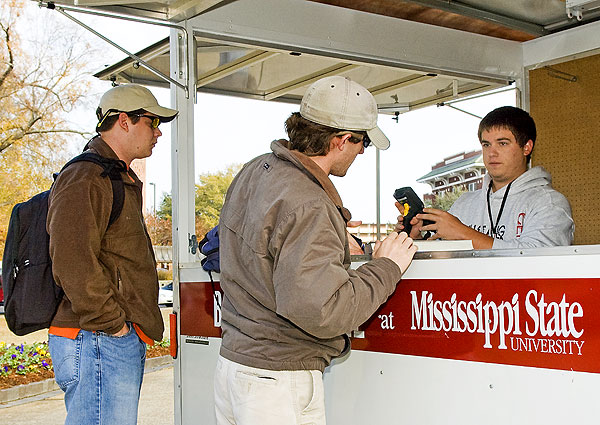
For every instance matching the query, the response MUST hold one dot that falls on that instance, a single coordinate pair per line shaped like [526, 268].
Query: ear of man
[122, 121]
[340, 142]
[528, 147]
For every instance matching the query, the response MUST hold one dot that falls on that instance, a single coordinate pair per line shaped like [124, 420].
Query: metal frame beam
[149, 53]
[473, 12]
[224, 70]
[401, 83]
[307, 80]
[358, 37]
[182, 6]
[63, 11]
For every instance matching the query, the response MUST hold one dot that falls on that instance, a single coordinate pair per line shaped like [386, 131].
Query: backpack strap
[113, 171]
[112, 168]
[12, 235]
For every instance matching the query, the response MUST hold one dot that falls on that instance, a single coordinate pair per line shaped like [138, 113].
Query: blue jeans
[101, 376]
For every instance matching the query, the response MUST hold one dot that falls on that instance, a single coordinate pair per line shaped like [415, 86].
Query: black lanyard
[494, 227]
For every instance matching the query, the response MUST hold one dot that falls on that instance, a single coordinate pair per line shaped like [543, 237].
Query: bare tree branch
[82, 133]
[11, 64]
[37, 89]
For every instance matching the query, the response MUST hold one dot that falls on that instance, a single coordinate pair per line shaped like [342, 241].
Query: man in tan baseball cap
[290, 296]
[120, 110]
[131, 98]
[105, 265]
[341, 103]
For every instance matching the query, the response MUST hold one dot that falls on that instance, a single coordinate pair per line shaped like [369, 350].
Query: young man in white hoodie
[517, 206]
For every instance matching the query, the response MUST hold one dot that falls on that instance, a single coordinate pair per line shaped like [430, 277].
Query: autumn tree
[159, 229]
[160, 224]
[444, 201]
[209, 199]
[42, 79]
[210, 196]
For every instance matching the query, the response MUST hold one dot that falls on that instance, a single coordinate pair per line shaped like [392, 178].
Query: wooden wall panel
[567, 115]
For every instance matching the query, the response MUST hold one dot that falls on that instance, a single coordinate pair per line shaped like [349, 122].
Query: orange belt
[71, 333]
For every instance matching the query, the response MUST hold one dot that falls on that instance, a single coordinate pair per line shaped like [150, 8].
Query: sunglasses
[360, 137]
[154, 124]
[155, 120]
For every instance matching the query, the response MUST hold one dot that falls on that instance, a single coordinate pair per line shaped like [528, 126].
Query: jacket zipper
[118, 280]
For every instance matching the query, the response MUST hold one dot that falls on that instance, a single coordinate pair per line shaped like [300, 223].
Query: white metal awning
[269, 74]
[517, 20]
[278, 73]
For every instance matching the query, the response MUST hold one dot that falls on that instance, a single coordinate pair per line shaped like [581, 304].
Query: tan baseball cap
[131, 97]
[341, 103]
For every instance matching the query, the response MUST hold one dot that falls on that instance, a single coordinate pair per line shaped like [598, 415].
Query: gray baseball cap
[341, 103]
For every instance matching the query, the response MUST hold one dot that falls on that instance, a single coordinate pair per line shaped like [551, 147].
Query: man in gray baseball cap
[105, 265]
[290, 296]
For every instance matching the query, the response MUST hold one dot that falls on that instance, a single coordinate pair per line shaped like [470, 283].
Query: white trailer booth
[469, 336]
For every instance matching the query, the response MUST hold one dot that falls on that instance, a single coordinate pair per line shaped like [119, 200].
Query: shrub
[164, 274]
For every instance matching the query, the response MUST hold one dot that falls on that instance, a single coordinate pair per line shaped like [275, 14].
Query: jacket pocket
[251, 232]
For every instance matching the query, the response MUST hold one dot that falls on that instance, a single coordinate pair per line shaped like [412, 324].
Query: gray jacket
[289, 294]
[534, 214]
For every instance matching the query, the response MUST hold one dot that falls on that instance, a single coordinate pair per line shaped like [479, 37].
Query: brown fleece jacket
[108, 275]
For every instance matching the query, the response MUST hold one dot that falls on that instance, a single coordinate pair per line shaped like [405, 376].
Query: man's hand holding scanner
[446, 226]
[415, 222]
[409, 205]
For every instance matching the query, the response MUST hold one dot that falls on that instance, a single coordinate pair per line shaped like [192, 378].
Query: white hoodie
[534, 214]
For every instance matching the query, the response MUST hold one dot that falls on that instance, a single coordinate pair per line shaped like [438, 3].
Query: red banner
[548, 323]
[198, 310]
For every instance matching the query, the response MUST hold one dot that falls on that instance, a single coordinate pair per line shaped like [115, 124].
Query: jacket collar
[101, 148]
[281, 148]
[98, 145]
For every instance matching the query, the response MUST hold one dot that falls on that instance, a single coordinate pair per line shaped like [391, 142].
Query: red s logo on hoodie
[520, 220]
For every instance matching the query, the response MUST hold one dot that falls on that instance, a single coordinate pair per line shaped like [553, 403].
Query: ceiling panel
[518, 20]
[270, 74]
[284, 76]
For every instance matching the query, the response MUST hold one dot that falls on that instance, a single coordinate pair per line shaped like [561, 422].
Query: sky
[232, 130]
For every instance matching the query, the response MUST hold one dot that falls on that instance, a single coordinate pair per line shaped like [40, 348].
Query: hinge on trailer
[193, 244]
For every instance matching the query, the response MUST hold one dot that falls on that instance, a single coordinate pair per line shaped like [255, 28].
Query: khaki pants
[251, 396]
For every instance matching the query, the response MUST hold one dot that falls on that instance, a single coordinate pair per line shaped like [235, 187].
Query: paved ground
[156, 402]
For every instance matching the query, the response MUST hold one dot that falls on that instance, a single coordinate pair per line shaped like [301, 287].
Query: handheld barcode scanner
[412, 204]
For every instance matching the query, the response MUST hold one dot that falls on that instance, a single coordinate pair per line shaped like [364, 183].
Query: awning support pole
[61, 10]
[378, 192]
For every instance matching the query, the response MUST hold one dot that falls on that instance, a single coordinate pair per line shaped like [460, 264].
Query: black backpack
[31, 297]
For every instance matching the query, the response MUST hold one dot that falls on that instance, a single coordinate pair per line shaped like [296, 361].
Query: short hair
[518, 121]
[311, 138]
[109, 122]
